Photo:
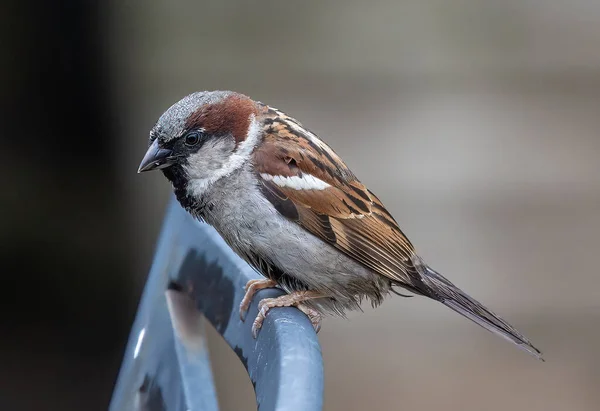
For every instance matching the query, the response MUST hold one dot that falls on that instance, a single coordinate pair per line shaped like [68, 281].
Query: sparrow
[288, 205]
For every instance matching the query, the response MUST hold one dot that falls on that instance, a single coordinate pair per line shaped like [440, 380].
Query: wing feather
[344, 213]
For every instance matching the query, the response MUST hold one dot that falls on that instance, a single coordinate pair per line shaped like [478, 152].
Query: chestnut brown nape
[228, 116]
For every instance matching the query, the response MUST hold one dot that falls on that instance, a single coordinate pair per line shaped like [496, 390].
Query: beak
[156, 158]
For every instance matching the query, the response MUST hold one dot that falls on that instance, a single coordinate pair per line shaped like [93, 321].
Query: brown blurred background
[476, 122]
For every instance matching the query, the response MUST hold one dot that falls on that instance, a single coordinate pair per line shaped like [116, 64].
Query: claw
[263, 309]
[294, 299]
[251, 288]
[313, 315]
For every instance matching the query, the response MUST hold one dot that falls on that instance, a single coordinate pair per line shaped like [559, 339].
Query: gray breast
[251, 225]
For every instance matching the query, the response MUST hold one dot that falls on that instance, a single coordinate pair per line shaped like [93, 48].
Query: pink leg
[251, 288]
[294, 299]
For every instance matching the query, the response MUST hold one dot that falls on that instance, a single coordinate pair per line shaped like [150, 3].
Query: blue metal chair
[195, 275]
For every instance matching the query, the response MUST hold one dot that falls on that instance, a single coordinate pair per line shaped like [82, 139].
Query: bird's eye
[192, 138]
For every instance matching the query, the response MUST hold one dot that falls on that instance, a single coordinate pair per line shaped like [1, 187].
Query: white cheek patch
[306, 182]
[197, 186]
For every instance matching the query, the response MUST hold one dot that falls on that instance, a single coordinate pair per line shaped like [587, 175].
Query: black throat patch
[176, 175]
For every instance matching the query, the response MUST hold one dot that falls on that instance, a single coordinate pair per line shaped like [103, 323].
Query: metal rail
[195, 275]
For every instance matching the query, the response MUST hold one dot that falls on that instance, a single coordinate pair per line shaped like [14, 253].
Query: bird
[289, 206]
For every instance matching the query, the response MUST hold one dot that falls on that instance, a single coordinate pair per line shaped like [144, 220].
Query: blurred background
[476, 122]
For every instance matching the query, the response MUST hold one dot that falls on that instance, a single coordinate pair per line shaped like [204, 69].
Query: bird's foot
[313, 315]
[294, 299]
[251, 288]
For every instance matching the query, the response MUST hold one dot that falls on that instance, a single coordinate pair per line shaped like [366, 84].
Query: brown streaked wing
[345, 214]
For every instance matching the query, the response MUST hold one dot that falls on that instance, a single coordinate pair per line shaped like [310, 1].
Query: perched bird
[286, 203]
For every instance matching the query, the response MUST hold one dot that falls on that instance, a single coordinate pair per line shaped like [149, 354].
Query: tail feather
[441, 289]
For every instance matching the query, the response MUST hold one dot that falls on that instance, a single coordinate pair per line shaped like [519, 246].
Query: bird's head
[202, 138]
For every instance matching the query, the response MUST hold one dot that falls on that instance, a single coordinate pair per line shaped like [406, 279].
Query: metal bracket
[166, 364]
